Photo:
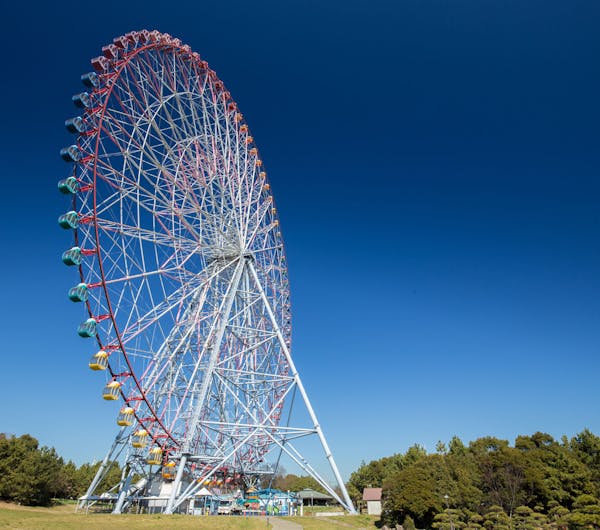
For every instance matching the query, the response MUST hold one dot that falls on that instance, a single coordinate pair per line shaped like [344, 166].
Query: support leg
[102, 470]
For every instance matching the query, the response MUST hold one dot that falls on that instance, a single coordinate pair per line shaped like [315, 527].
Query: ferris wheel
[182, 272]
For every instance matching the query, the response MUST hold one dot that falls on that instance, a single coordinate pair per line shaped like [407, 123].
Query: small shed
[310, 497]
[372, 496]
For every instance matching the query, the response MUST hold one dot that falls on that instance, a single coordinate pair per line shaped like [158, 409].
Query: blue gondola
[91, 80]
[69, 220]
[72, 256]
[70, 154]
[87, 329]
[82, 100]
[75, 125]
[79, 293]
[68, 186]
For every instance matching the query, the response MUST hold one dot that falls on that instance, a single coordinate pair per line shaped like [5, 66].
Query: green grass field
[348, 522]
[63, 517]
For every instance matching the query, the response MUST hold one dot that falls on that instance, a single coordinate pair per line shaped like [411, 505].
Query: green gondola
[79, 293]
[68, 186]
[87, 329]
[69, 220]
[73, 256]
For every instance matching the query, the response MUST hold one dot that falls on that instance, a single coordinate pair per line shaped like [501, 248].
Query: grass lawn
[63, 517]
[345, 521]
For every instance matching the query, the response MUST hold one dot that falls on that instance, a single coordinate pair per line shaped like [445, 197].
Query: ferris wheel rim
[122, 347]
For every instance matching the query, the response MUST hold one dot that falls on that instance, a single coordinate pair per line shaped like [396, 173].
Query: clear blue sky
[437, 170]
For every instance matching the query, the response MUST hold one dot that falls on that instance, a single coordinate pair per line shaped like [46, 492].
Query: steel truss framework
[183, 275]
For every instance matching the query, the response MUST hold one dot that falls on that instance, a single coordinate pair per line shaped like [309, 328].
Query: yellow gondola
[155, 456]
[139, 438]
[99, 361]
[111, 391]
[168, 471]
[125, 417]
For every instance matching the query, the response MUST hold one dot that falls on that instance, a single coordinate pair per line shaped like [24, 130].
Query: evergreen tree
[408, 523]
[585, 514]
[28, 474]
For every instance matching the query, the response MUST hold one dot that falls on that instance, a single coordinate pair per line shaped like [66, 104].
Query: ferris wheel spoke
[262, 214]
[149, 205]
[136, 233]
[133, 328]
[166, 356]
[209, 110]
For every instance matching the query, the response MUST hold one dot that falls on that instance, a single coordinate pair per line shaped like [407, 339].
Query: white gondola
[70, 154]
[82, 100]
[91, 80]
[75, 125]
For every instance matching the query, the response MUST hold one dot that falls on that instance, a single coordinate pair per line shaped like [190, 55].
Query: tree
[586, 513]
[558, 516]
[67, 482]
[527, 519]
[449, 519]
[456, 447]
[552, 471]
[586, 448]
[28, 474]
[474, 521]
[293, 482]
[417, 491]
[373, 474]
[465, 477]
[502, 470]
[496, 519]
[538, 483]
[408, 523]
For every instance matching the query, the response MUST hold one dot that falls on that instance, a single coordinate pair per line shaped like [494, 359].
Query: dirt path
[279, 523]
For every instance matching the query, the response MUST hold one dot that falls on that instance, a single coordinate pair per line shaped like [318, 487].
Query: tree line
[34, 475]
[292, 482]
[536, 483]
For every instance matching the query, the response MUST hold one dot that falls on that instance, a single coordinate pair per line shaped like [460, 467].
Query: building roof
[203, 493]
[372, 494]
[307, 493]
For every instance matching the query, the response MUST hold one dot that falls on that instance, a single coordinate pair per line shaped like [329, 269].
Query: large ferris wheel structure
[184, 279]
